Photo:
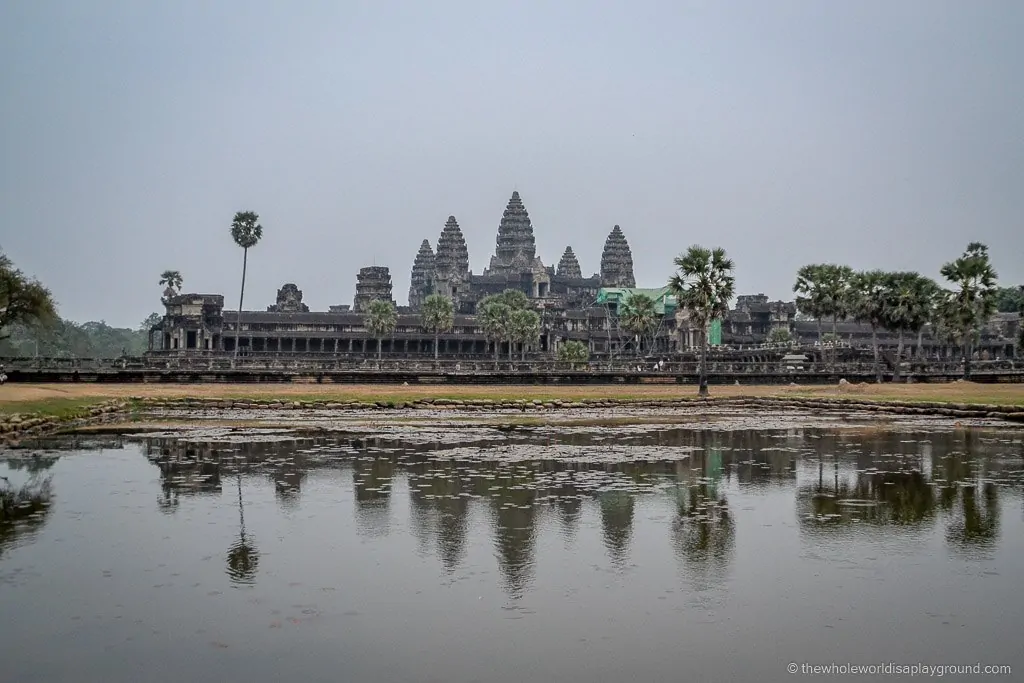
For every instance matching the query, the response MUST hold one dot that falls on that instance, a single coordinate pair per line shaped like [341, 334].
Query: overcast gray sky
[879, 133]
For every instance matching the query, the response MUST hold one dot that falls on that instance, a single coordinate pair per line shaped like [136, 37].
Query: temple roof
[569, 266]
[452, 257]
[617, 261]
[516, 246]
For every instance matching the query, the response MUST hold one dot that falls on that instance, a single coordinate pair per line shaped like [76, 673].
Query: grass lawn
[67, 399]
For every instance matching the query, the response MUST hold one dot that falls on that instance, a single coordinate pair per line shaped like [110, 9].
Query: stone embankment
[15, 427]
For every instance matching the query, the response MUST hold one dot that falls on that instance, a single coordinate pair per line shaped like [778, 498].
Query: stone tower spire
[422, 271]
[452, 258]
[569, 267]
[617, 261]
[372, 283]
[516, 246]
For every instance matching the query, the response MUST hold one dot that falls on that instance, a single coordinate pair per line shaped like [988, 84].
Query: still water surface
[645, 554]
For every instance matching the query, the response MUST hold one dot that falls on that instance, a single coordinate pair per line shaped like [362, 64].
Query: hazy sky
[876, 133]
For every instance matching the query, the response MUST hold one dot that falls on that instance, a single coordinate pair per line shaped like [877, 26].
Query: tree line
[907, 302]
[30, 325]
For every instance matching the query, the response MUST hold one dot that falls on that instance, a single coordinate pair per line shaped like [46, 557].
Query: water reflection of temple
[894, 480]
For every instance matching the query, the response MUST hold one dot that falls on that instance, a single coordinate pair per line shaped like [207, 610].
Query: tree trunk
[819, 330]
[835, 339]
[380, 342]
[920, 343]
[437, 336]
[522, 350]
[899, 357]
[497, 352]
[874, 344]
[968, 352]
[703, 390]
[511, 350]
[241, 297]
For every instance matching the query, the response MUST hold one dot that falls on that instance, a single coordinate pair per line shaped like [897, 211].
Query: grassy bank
[71, 399]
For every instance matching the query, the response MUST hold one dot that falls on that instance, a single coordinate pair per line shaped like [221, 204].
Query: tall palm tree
[495, 312]
[172, 279]
[639, 317]
[381, 321]
[835, 289]
[811, 293]
[835, 296]
[525, 325]
[927, 302]
[868, 304]
[438, 316]
[246, 231]
[703, 285]
[494, 316]
[908, 300]
[974, 301]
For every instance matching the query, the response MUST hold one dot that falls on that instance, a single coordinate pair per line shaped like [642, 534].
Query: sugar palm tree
[525, 325]
[811, 293]
[381, 321]
[974, 300]
[495, 312]
[703, 286]
[908, 300]
[438, 316]
[246, 231]
[172, 279]
[868, 304]
[494, 317]
[639, 317]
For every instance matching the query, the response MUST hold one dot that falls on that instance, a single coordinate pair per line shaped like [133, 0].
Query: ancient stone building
[373, 283]
[617, 261]
[568, 266]
[289, 300]
[514, 265]
[192, 322]
[422, 275]
[754, 318]
[516, 248]
[567, 300]
[451, 264]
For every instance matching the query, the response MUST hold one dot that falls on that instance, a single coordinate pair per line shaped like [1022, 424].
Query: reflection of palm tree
[617, 523]
[703, 531]
[243, 557]
[977, 525]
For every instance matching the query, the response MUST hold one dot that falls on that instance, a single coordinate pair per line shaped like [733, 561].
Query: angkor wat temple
[572, 307]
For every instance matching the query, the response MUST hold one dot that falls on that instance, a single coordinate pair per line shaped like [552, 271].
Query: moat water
[591, 554]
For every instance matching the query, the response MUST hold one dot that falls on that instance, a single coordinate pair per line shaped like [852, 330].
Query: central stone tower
[516, 248]
[451, 263]
[617, 261]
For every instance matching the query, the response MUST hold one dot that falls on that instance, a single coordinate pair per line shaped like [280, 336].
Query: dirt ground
[27, 397]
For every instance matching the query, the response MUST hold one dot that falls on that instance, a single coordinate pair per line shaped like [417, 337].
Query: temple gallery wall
[572, 307]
